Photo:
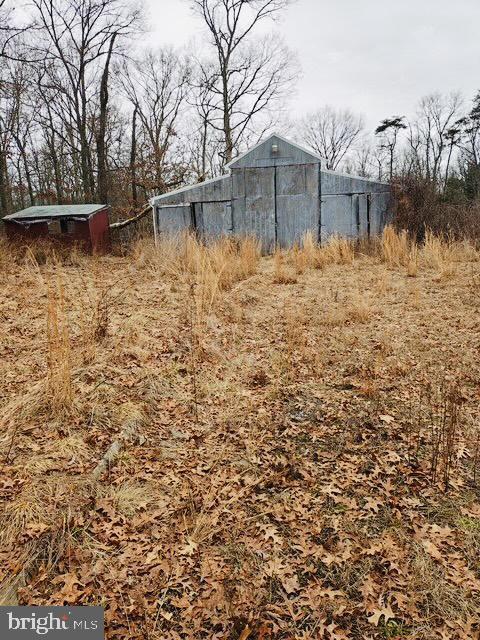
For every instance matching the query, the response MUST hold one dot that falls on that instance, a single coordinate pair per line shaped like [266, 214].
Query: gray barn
[277, 192]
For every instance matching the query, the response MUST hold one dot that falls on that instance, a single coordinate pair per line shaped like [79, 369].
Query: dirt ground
[302, 458]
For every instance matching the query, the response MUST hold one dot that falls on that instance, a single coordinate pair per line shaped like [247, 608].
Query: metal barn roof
[57, 211]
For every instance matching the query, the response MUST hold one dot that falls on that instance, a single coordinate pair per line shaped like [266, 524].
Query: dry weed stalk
[101, 318]
[476, 456]
[414, 297]
[310, 250]
[59, 378]
[395, 247]
[213, 268]
[294, 331]
[339, 250]
[299, 260]
[465, 251]
[384, 282]
[131, 418]
[359, 309]
[280, 272]
[193, 327]
[439, 253]
[412, 262]
[437, 430]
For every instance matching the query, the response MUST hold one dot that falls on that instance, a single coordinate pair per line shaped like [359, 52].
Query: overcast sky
[376, 57]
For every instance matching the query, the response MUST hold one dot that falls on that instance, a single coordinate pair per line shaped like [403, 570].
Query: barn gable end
[272, 152]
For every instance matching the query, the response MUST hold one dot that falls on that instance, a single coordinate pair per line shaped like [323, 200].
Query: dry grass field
[216, 445]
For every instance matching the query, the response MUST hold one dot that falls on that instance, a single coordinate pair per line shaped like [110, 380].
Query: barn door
[173, 219]
[258, 218]
[339, 216]
[297, 202]
[213, 219]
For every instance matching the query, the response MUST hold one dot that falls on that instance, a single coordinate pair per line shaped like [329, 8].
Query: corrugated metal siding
[337, 216]
[297, 203]
[214, 219]
[263, 156]
[172, 220]
[278, 197]
[380, 211]
[212, 190]
[333, 183]
[259, 216]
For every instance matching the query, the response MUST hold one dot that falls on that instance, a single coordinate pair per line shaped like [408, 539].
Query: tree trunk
[3, 189]
[85, 161]
[5, 195]
[447, 169]
[227, 128]
[28, 177]
[20, 191]
[133, 159]
[56, 170]
[204, 150]
[102, 185]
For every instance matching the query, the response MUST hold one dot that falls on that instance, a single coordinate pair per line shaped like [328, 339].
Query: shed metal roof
[57, 211]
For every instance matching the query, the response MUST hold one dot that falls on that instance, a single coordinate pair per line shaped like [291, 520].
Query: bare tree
[250, 74]
[133, 158]
[74, 37]
[6, 28]
[429, 139]
[205, 146]
[389, 130]
[5, 141]
[102, 168]
[361, 161]
[11, 94]
[9, 31]
[453, 137]
[331, 133]
[468, 141]
[471, 131]
[156, 85]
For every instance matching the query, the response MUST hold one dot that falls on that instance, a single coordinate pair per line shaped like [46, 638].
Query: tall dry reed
[59, 357]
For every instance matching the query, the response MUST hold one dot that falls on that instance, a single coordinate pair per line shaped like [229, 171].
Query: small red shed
[86, 225]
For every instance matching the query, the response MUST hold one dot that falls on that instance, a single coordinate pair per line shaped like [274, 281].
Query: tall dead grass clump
[59, 357]
[394, 247]
[339, 250]
[281, 274]
[310, 249]
[226, 262]
[412, 262]
[445, 423]
[359, 308]
[436, 250]
[154, 258]
[249, 253]
[211, 268]
[214, 268]
[439, 253]
[465, 251]
[299, 259]
[6, 257]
